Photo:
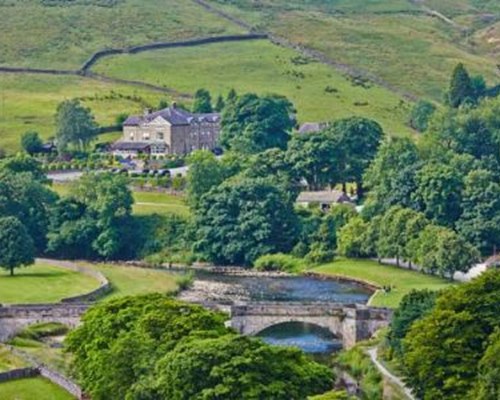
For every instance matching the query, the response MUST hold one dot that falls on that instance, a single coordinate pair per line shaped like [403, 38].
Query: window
[132, 137]
[160, 136]
[145, 136]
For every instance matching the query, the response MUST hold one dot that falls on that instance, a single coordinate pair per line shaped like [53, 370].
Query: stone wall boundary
[104, 284]
[20, 373]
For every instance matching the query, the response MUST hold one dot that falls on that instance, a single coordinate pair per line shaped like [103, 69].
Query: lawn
[64, 36]
[147, 203]
[9, 361]
[131, 281]
[29, 102]
[42, 283]
[31, 389]
[317, 90]
[401, 280]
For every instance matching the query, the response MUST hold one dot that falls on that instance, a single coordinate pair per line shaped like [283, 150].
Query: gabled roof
[174, 116]
[323, 197]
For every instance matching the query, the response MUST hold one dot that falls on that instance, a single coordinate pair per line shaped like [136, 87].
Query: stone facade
[168, 131]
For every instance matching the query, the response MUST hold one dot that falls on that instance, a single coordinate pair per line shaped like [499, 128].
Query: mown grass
[43, 283]
[318, 91]
[407, 48]
[131, 281]
[65, 36]
[401, 281]
[29, 102]
[147, 203]
[32, 388]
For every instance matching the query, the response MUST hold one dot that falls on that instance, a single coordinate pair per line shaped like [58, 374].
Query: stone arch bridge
[350, 323]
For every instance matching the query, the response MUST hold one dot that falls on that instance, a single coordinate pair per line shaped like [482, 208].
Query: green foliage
[351, 238]
[205, 172]
[219, 104]
[488, 385]
[121, 340]
[202, 101]
[243, 220]
[359, 365]
[461, 89]
[237, 367]
[442, 351]
[335, 395]
[357, 140]
[278, 262]
[22, 163]
[252, 124]
[16, 244]
[413, 307]
[75, 125]
[314, 157]
[185, 281]
[31, 142]
[421, 114]
[154, 347]
[95, 221]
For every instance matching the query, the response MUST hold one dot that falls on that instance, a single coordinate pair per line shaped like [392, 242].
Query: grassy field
[64, 36]
[9, 361]
[33, 388]
[412, 51]
[147, 203]
[42, 283]
[318, 92]
[401, 280]
[130, 281]
[29, 102]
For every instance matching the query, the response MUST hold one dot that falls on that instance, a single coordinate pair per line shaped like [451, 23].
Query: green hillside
[64, 33]
[396, 40]
[318, 91]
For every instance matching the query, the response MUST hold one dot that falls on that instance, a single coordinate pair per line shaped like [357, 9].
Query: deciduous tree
[75, 125]
[17, 249]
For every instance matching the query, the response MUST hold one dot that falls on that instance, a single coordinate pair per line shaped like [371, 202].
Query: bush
[278, 262]
[185, 281]
[38, 331]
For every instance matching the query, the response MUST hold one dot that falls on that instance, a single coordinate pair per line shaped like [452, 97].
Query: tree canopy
[17, 249]
[202, 101]
[75, 125]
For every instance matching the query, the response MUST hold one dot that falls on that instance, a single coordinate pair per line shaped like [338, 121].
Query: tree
[454, 254]
[23, 163]
[424, 249]
[120, 341]
[219, 104]
[391, 176]
[237, 367]
[351, 238]
[243, 220]
[358, 140]
[202, 101]
[314, 157]
[205, 172]
[163, 103]
[443, 351]
[75, 125]
[31, 142]
[440, 355]
[460, 87]
[414, 306]
[98, 215]
[439, 193]
[480, 220]
[16, 244]
[421, 114]
[28, 200]
[232, 96]
[488, 385]
[253, 124]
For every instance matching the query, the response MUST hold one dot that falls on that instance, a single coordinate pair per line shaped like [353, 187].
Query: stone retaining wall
[20, 373]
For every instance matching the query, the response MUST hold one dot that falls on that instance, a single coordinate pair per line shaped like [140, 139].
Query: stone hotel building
[168, 131]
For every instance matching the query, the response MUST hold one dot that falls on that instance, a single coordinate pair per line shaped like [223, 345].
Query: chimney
[174, 105]
[147, 111]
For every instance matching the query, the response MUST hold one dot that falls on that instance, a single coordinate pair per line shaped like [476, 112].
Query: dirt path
[388, 375]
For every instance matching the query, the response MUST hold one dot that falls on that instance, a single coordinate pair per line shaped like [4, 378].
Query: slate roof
[312, 127]
[324, 197]
[174, 116]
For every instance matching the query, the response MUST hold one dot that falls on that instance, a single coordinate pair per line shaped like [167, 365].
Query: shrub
[278, 262]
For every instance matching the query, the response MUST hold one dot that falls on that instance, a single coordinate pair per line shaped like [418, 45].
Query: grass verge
[402, 281]
[32, 388]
